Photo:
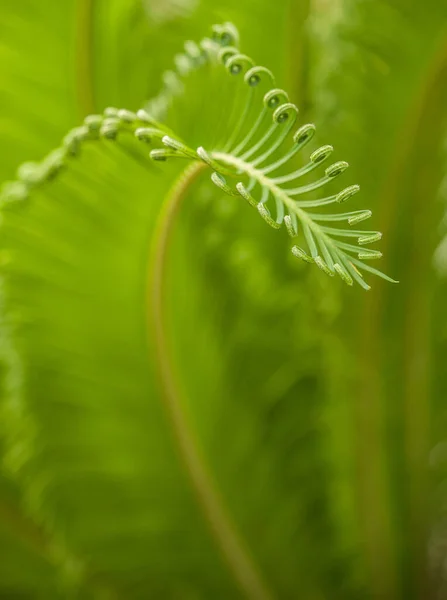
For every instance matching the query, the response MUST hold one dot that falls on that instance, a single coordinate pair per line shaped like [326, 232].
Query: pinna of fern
[254, 161]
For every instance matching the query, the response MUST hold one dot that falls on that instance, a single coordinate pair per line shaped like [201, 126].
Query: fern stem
[84, 57]
[218, 520]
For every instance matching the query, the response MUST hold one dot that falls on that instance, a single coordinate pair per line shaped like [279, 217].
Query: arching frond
[256, 151]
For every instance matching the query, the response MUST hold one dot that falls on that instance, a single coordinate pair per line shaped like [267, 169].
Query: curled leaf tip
[343, 274]
[337, 169]
[254, 76]
[347, 193]
[161, 155]
[246, 194]
[292, 230]
[111, 111]
[304, 134]
[144, 116]
[93, 122]
[321, 154]
[221, 183]
[144, 134]
[323, 266]
[274, 98]
[300, 253]
[237, 63]
[226, 34]
[371, 255]
[179, 146]
[225, 54]
[369, 239]
[284, 112]
[361, 216]
[127, 115]
[265, 214]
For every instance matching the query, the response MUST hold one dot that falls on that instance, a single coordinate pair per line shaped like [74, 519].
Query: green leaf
[107, 478]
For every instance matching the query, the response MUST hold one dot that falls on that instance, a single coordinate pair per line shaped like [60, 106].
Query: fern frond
[257, 155]
[259, 150]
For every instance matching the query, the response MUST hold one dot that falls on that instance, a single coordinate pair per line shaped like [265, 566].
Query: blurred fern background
[318, 409]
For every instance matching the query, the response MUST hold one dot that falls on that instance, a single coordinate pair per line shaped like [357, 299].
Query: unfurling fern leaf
[252, 145]
[75, 326]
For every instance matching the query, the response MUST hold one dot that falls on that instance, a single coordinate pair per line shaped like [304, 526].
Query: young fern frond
[255, 160]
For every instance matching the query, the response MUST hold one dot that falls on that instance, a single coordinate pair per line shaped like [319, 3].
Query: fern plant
[250, 147]
[186, 409]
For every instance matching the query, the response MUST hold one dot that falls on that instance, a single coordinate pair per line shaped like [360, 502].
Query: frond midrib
[276, 192]
[222, 528]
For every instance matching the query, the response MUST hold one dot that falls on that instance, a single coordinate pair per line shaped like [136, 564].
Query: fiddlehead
[253, 156]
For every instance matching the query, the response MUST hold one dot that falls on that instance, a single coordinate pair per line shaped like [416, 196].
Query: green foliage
[187, 411]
